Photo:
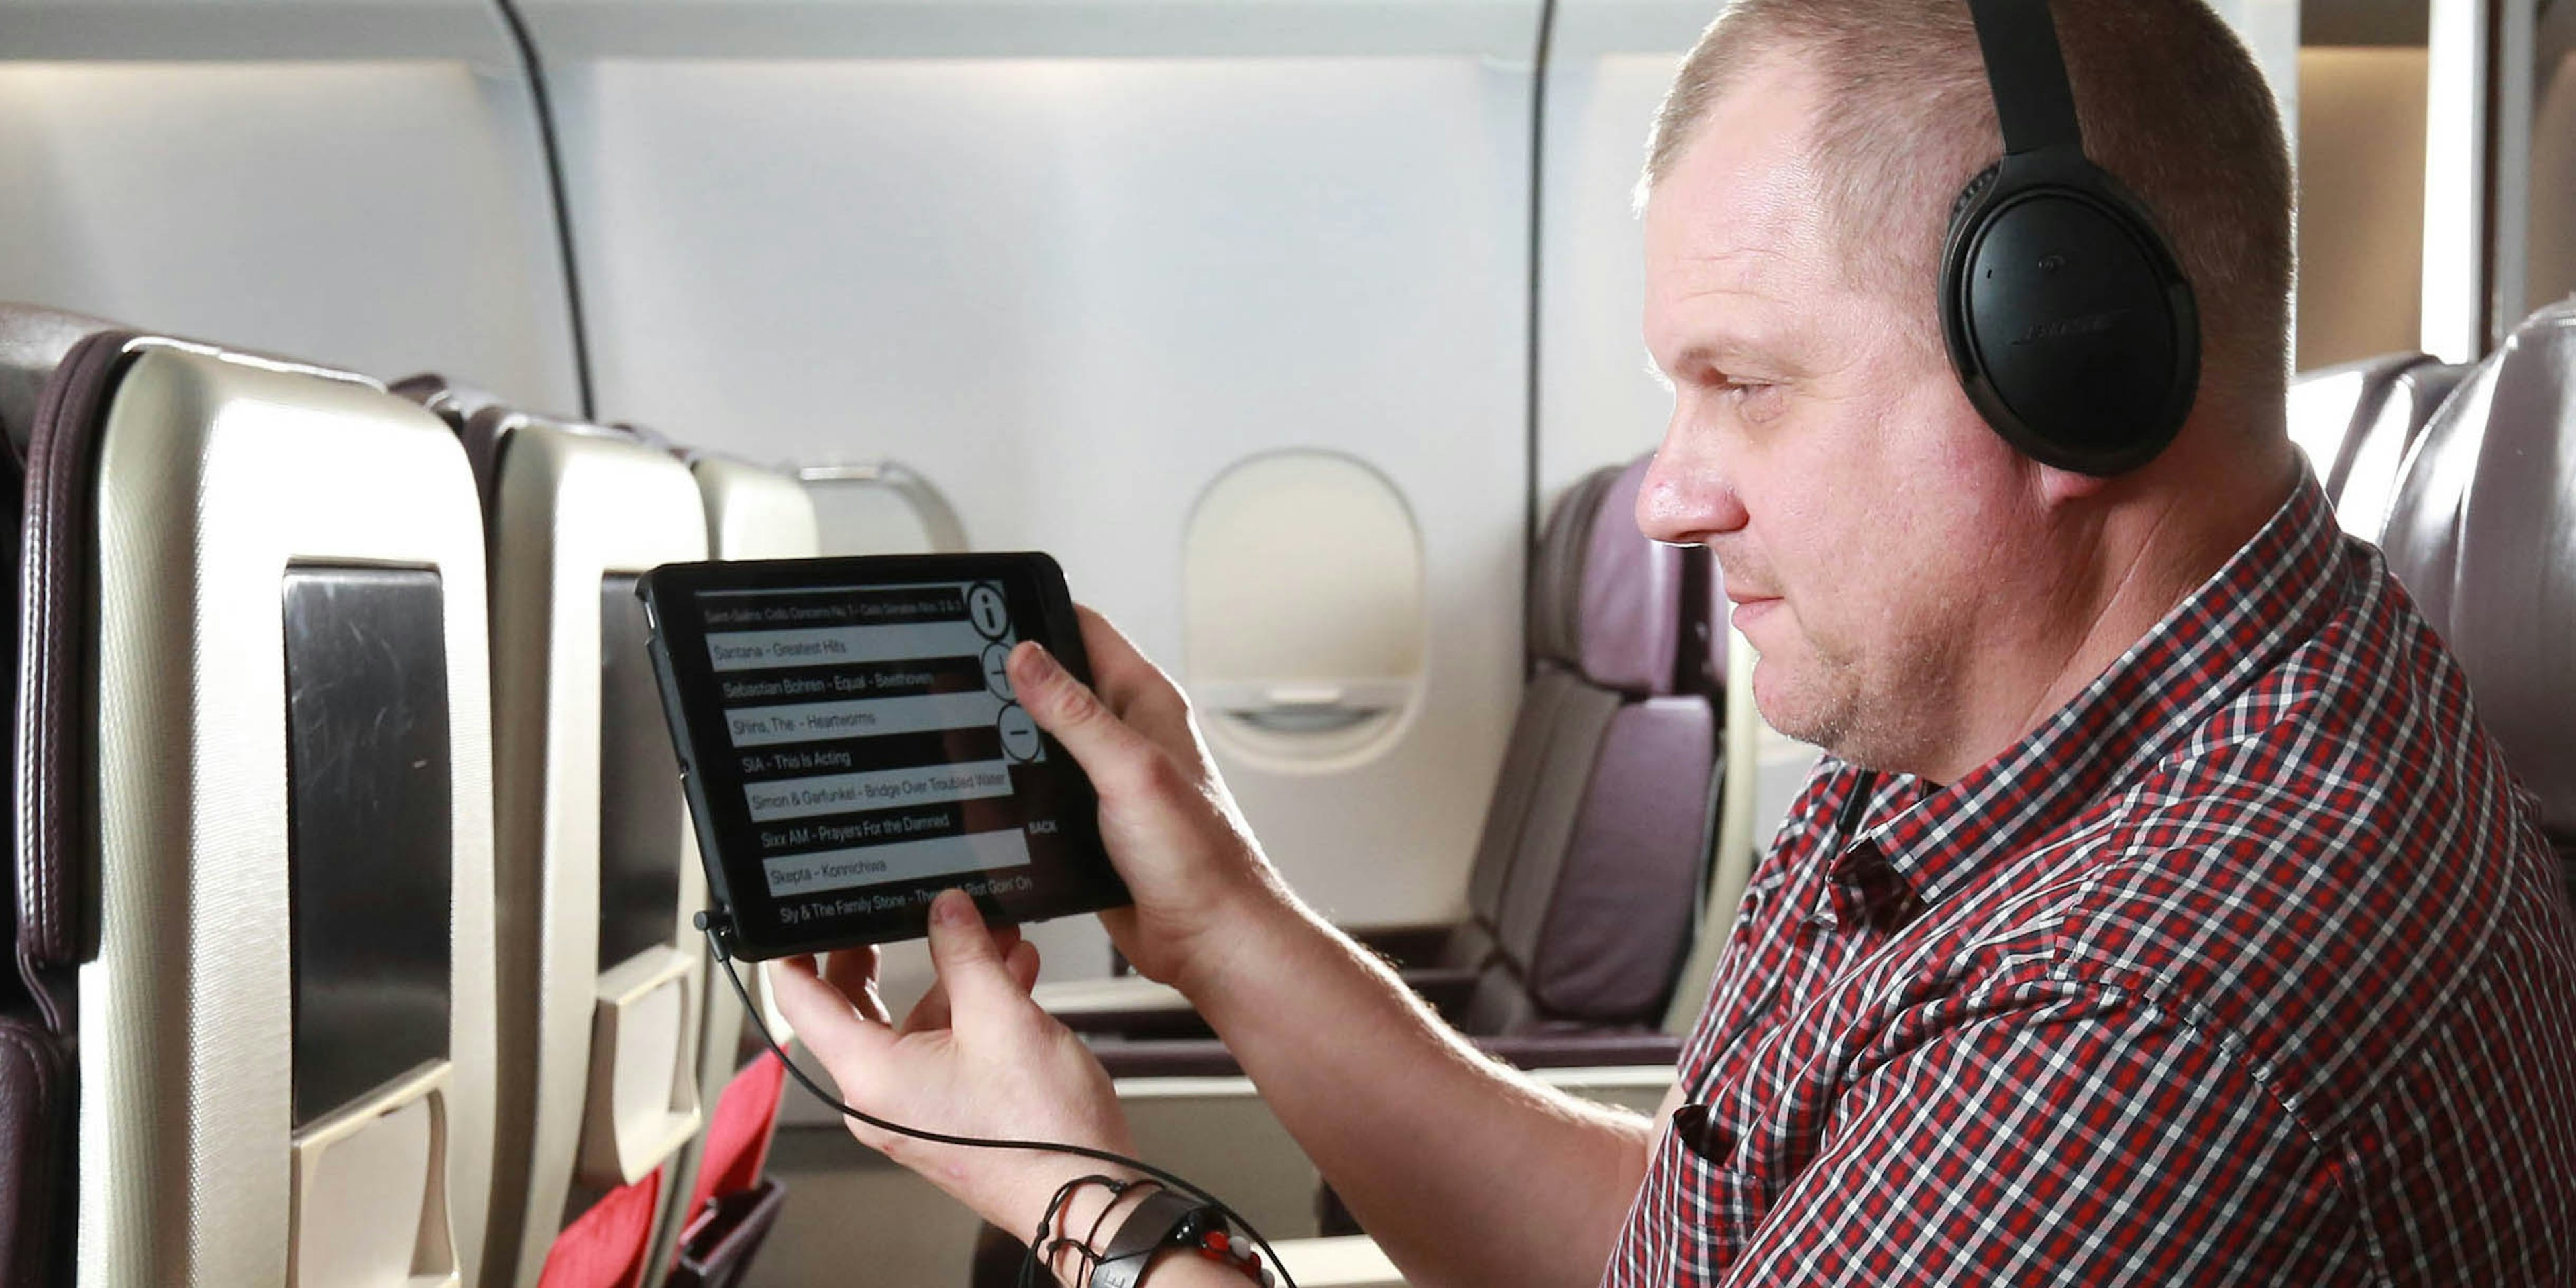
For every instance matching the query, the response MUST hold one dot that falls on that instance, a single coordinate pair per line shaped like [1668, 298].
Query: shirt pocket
[1696, 1211]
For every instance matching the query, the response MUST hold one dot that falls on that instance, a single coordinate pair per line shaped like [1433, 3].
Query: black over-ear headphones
[2067, 314]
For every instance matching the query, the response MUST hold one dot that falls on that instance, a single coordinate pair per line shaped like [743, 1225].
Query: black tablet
[851, 746]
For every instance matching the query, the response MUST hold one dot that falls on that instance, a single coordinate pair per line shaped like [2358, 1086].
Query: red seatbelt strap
[738, 1137]
[606, 1247]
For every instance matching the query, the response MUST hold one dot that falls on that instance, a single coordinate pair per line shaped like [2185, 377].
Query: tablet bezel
[744, 915]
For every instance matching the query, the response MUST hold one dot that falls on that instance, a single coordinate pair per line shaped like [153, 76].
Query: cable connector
[718, 929]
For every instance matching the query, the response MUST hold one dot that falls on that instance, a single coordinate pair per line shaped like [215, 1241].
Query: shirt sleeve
[2083, 1140]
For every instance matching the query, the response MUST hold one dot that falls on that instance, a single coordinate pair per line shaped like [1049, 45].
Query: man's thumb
[969, 962]
[1109, 751]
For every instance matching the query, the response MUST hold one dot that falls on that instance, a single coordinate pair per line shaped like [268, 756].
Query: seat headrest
[33, 341]
[2375, 457]
[2483, 535]
[1604, 600]
[2332, 407]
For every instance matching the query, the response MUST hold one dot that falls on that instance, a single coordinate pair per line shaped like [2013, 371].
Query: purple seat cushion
[1629, 891]
[1606, 889]
[1604, 600]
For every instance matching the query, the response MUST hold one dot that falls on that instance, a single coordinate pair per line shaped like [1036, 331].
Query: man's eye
[1753, 400]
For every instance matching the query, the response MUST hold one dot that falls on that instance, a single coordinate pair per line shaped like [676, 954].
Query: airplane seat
[2377, 456]
[2332, 408]
[1589, 874]
[2482, 534]
[253, 840]
[602, 976]
[1597, 906]
[36, 1020]
[751, 513]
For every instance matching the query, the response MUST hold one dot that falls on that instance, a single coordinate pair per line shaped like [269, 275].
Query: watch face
[853, 745]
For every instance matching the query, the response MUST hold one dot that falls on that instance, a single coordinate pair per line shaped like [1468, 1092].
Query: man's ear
[2060, 487]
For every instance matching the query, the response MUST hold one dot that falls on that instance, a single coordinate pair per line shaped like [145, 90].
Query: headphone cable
[1169, 1178]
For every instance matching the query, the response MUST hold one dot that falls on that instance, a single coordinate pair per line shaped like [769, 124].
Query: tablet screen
[873, 751]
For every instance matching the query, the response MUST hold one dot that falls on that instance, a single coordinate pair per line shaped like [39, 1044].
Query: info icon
[984, 605]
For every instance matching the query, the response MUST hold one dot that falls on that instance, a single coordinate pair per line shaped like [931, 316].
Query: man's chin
[1786, 701]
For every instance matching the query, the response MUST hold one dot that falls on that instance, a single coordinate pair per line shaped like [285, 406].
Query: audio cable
[1170, 1179]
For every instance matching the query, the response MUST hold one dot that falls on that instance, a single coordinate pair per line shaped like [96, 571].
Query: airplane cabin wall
[1072, 270]
[1608, 64]
[357, 184]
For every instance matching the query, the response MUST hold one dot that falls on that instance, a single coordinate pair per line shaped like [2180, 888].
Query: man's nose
[1689, 495]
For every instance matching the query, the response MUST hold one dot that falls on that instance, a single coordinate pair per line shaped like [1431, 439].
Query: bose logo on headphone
[2093, 324]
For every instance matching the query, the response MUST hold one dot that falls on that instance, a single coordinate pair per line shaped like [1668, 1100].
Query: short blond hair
[2169, 99]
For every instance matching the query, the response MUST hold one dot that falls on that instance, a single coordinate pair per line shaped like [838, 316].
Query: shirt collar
[1919, 842]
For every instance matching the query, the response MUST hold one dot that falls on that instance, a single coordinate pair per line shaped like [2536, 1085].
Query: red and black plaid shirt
[2250, 966]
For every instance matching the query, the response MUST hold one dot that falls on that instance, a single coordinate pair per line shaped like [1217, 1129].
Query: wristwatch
[1163, 1220]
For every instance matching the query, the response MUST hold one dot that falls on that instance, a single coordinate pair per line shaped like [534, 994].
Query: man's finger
[1113, 754]
[970, 965]
[854, 972]
[827, 1021]
[1021, 959]
[931, 1010]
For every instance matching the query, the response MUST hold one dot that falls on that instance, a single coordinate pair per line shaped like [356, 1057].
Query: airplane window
[2360, 131]
[369, 828]
[1302, 609]
[640, 811]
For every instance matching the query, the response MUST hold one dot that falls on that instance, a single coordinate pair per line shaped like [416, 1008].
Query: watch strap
[1161, 1220]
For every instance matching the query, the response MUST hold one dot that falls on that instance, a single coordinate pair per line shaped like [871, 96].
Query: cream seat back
[254, 824]
[728, 1207]
[752, 513]
[602, 977]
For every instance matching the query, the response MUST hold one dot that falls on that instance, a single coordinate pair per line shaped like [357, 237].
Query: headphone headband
[2027, 73]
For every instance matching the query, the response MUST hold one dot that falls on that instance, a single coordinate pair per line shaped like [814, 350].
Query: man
[2161, 915]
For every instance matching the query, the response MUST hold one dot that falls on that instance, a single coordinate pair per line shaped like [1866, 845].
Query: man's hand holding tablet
[976, 1057]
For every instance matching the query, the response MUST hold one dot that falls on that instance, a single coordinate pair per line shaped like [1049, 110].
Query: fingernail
[949, 908]
[1041, 662]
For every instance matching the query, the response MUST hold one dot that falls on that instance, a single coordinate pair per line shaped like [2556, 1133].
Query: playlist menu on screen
[878, 737]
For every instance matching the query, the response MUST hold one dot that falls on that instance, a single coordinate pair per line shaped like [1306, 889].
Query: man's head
[1910, 570]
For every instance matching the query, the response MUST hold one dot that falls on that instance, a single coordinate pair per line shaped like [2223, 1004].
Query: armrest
[1347, 1262]
[1129, 1006]
[1209, 1059]
[1584, 1050]
[1409, 948]
[1445, 989]
[1113, 994]
[1352, 1261]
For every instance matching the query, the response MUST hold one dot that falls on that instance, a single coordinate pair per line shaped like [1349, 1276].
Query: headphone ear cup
[2073, 331]
[1968, 195]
